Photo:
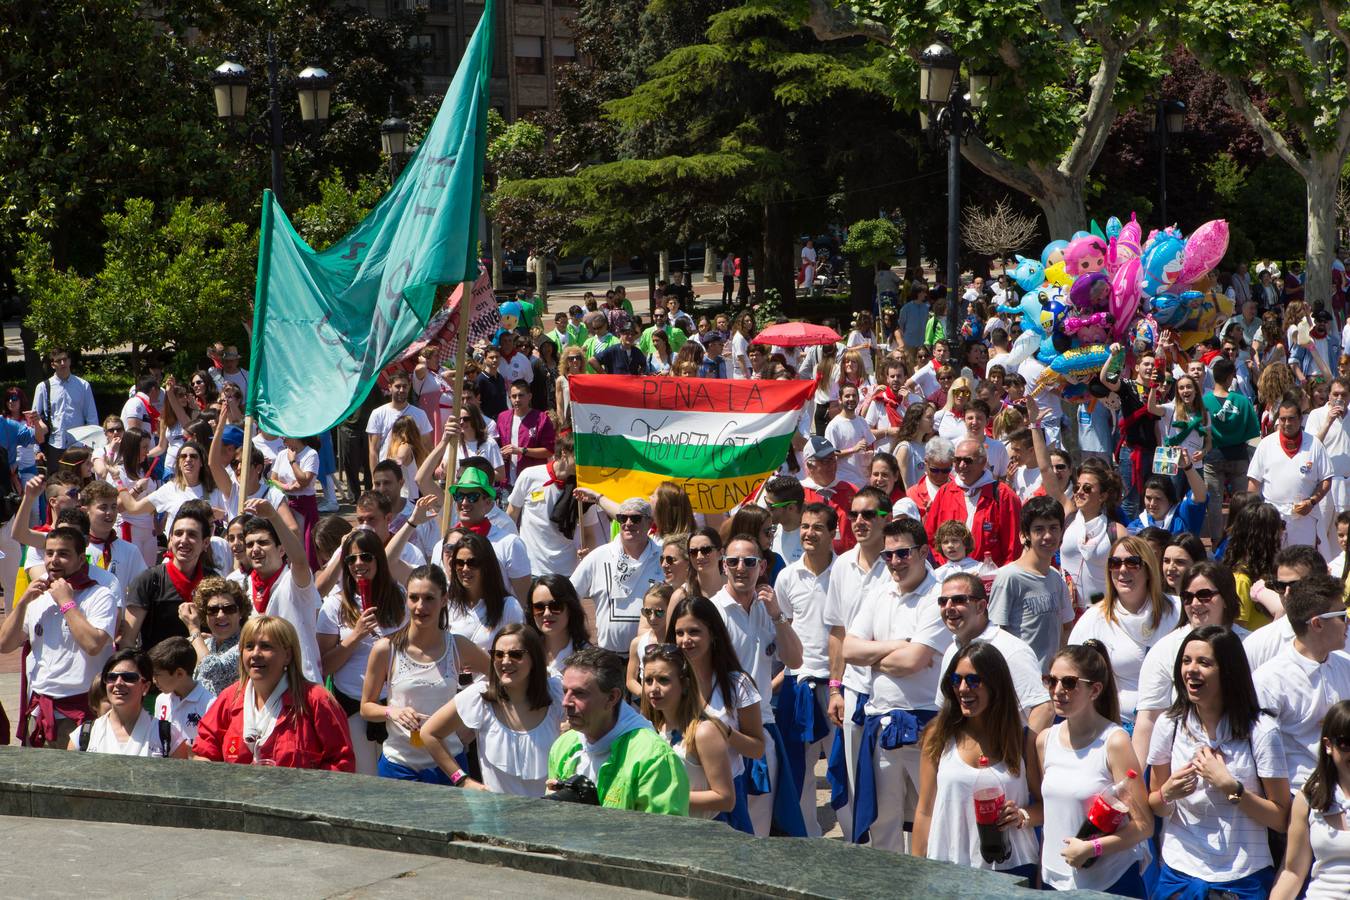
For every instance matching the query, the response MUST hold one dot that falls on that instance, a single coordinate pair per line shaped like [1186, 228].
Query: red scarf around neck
[105, 558]
[183, 584]
[79, 579]
[151, 413]
[481, 529]
[1290, 445]
[552, 478]
[261, 588]
[892, 404]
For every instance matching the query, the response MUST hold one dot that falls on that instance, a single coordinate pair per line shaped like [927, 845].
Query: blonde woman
[573, 363]
[406, 449]
[950, 421]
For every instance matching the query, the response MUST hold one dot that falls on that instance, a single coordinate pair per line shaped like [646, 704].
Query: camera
[577, 789]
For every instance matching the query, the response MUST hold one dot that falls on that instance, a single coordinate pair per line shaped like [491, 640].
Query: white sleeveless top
[952, 837]
[425, 687]
[143, 740]
[1071, 778]
[514, 762]
[1331, 854]
[1082, 556]
[717, 708]
[698, 779]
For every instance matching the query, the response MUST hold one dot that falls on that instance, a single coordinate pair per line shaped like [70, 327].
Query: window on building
[564, 52]
[529, 55]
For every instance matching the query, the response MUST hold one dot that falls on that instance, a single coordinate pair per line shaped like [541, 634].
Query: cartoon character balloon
[1125, 294]
[1029, 273]
[1085, 255]
[1162, 262]
[1053, 253]
[1204, 248]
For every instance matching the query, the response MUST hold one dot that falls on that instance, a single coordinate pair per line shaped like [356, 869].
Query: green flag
[325, 324]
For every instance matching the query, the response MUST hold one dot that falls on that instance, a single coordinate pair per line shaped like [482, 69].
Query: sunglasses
[1334, 614]
[1085, 488]
[669, 560]
[702, 551]
[227, 610]
[551, 606]
[783, 504]
[469, 496]
[629, 518]
[669, 651]
[189, 457]
[971, 681]
[958, 599]
[963, 460]
[465, 419]
[1070, 682]
[1204, 595]
[653, 613]
[513, 655]
[737, 562]
[1059, 467]
[113, 430]
[126, 677]
[1133, 563]
[897, 553]
[939, 470]
[360, 557]
[869, 514]
[467, 564]
[1281, 587]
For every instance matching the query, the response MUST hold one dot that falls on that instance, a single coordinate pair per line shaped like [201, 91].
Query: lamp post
[1169, 118]
[229, 83]
[394, 141]
[947, 108]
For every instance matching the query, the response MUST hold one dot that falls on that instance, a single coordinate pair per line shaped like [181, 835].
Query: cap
[232, 435]
[635, 506]
[1322, 316]
[712, 336]
[473, 479]
[818, 448]
[626, 324]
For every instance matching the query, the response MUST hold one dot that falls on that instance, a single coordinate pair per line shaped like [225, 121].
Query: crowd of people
[1116, 607]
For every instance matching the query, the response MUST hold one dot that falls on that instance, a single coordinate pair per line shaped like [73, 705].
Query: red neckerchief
[552, 479]
[184, 585]
[261, 588]
[892, 404]
[481, 529]
[151, 413]
[79, 579]
[106, 556]
[1291, 445]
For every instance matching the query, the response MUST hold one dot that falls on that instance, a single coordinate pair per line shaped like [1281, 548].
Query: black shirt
[153, 589]
[491, 394]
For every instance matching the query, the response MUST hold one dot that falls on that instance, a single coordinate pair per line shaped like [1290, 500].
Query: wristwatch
[781, 618]
[459, 778]
[1236, 797]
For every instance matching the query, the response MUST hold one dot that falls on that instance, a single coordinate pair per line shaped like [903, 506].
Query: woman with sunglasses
[1081, 756]
[556, 614]
[671, 702]
[573, 363]
[106, 456]
[127, 729]
[1134, 615]
[203, 390]
[515, 716]
[1089, 530]
[706, 576]
[1218, 775]
[480, 604]
[1319, 830]
[978, 733]
[655, 605]
[675, 562]
[214, 618]
[366, 605]
[696, 627]
[950, 420]
[419, 668]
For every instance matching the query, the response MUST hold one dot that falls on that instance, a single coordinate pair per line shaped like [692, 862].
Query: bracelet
[835, 683]
[461, 776]
[1096, 847]
[67, 607]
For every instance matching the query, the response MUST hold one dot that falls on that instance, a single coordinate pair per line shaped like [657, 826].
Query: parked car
[568, 268]
[687, 258]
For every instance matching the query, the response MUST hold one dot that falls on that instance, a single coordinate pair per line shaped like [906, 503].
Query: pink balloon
[1204, 248]
[1125, 293]
[1127, 245]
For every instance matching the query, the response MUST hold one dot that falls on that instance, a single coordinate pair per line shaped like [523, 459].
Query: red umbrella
[796, 334]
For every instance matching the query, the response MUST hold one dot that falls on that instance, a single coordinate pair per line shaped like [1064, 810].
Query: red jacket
[841, 498]
[536, 431]
[995, 528]
[919, 494]
[318, 740]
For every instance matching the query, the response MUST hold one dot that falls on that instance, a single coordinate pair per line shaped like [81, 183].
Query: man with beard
[1291, 470]
[989, 509]
[849, 433]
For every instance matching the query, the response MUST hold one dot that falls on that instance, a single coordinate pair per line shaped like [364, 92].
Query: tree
[1296, 56]
[1063, 74]
[999, 231]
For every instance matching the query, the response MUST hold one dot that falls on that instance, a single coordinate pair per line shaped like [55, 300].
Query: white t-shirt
[1266, 642]
[143, 740]
[351, 677]
[1285, 482]
[844, 434]
[514, 762]
[1195, 441]
[382, 423]
[306, 460]
[473, 624]
[754, 638]
[914, 617]
[516, 368]
[1022, 663]
[185, 712]
[1336, 442]
[169, 496]
[849, 595]
[57, 667]
[135, 408]
[547, 549]
[300, 607]
[1156, 690]
[125, 562]
[1127, 641]
[804, 595]
[487, 448]
[617, 583]
[740, 360]
[1299, 691]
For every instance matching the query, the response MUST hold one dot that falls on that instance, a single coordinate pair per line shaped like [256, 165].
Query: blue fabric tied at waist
[1180, 886]
[802, 722]
[836, 770]
[889, 731]
[787, 810]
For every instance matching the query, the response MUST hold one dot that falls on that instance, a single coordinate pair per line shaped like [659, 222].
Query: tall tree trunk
[776, 269]
[665, 266]
[541, 278]
[1323, 179]
[495, 237]
[651, 263]
[1064, 208]
[709, 263]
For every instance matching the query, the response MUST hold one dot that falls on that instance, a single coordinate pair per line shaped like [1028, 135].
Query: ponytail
[1093, 663]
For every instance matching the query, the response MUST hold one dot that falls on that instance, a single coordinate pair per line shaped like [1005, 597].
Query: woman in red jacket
[272, 716]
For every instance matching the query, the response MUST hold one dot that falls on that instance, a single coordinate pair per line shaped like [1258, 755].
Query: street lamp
[229, 84]
[394, 141]
[1169, 118]
[946, 110]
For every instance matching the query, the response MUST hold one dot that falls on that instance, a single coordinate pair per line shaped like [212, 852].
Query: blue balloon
[1162, 261]
[1051, 247]
[1029, 274]
[1113, 227]
[1080, 234]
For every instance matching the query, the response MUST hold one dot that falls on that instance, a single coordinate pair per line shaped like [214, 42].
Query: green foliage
[177, 284]
[873, 241]
[768, 309]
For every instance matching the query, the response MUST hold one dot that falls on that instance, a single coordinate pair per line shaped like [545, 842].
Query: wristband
[1096, 847]
[67, 607]
[835, 683]
[461, 776]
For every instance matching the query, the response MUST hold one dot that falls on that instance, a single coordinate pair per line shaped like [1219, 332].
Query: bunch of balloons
[1098, 288]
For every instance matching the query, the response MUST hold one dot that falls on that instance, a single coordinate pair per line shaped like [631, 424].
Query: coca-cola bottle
[363, 590]
[1107, 811]
[994, 844]
[986, 573]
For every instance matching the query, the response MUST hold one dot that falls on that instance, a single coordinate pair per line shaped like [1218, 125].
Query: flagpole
[457, 397]
[256, 347]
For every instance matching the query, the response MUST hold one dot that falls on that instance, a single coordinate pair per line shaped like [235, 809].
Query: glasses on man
[899, 553]
[741, 562]
[469, 496]
[629, 518]
[868, 514]
[1334, 614]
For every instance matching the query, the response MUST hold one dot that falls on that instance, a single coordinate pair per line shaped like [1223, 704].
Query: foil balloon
[1090, 292]
[1084, 255]
[1057, 275]
[1162, 262]
[1144, 333]
[1204, 248]
[1053, 253]
[1081, 360]
[1079, 235]
[1113, 227]
[1029, 274]
[1125, 294]
[1124, 246]
[1172, 310]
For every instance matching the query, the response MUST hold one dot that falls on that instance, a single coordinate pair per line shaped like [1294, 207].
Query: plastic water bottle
[987, 572]
[1107, 811]
[994, 844]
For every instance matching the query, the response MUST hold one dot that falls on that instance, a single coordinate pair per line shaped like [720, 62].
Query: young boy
[956, 543]
[182, 700]
[1337, 565]
[1029, 598]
